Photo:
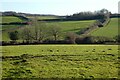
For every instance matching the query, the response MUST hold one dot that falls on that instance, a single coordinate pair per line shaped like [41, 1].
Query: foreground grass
[111, 30]
[60, 61]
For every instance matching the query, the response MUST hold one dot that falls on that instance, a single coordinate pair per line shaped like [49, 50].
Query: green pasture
[60, 61]
[111, 30]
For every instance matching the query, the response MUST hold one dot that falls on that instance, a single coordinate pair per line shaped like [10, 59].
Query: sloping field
[72, 26]
[9, 19]
[60, 61]
[111, 30]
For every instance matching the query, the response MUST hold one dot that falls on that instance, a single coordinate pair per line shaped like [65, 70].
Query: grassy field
[43, 17]
[111, 30]
[60, 61]
[9, 19]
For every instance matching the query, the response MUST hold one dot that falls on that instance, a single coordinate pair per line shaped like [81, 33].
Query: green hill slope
[111, 30]
[72, 26]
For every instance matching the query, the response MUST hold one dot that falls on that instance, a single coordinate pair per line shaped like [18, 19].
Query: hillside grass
[111, 30]
[9, 19]
[72, 26]
[60, 61]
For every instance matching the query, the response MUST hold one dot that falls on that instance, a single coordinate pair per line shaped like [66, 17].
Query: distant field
[111, 30]
[60, 61]
[9, 19]
[43, 17]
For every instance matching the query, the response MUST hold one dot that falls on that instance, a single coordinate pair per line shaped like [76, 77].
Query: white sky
[58, 7]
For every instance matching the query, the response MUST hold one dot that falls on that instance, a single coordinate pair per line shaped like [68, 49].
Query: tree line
[100, 14]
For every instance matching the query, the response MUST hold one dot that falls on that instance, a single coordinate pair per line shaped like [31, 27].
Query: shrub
[71, 37]
[13, 35]
[117, 38]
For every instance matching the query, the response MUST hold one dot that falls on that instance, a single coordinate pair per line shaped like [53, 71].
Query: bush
[13, 35]
[71, 37]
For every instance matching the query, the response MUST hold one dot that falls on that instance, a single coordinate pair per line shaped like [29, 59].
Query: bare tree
[26, 34]
[71, 37]
[38, 30]
[55, 31]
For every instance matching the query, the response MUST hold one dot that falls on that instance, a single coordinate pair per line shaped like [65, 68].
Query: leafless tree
[55, 31]
[26, 34]
[71, 37]
[38, 30]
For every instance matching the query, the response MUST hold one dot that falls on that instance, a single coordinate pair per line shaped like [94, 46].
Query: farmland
[60, 61]
[111, 30]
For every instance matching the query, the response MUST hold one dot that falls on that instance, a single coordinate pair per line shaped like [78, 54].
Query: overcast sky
[58, 7]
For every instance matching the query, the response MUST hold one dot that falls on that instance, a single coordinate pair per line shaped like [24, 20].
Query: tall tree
[26, 34]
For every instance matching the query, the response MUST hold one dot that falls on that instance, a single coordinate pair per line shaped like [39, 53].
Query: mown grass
[111, 30]
[60, 61]
[9, 19]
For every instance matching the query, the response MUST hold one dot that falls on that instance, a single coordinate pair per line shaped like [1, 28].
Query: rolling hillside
[72, 26]
[9, 19]
[111, 30]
